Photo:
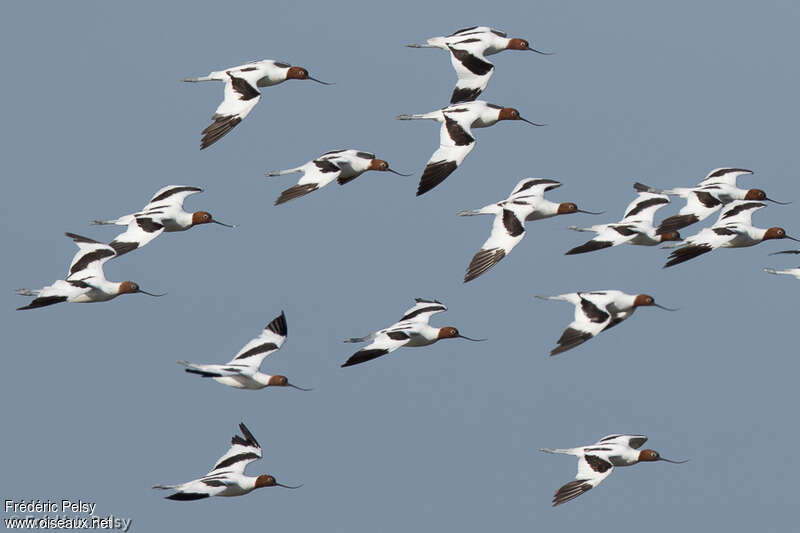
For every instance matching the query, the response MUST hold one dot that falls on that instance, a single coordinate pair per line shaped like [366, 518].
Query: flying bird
[717, 189]
[597, 311]
[227, 477]
[242, 372]
[468, 49]
[341, 165]
[597, 461]
[455, 136]
[242, 94]
[526, 202]
[412, 330]
[636, 227]
[163, 213]
[733, 229]
[85, 281]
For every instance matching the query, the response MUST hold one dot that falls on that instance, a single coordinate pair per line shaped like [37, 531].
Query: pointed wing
[631, 441]
[316, 174]
[88, 262]
[270, 340]
[508, 230]
[384, 342]
[170, 196]
[700, 204]
[423, 310]
[243, 451]
[724, 175]
[739, 212]
[644, 207]
[608, 235]
[240, 98]
[141, 230]
[703, 242]
[592, 470]
[533, 187]
[472, 68]
[590, 319]
[455, 142]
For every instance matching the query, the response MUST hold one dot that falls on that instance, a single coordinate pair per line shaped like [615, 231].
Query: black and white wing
[608, 235]
[141, 230]
[240, 98]
[508, 230]
[472, 68]
[725, 175]
[631, 441]
[533, 187]
[706, 240]
[270, 340]
[592, 470]
[644, 207]
[169, 196]
[88, 261]
[590, 319]
[383, 342]
[455, 142]
[423, 310]
[243, 451]
[739, 212]
[700, 204]
[316, 174]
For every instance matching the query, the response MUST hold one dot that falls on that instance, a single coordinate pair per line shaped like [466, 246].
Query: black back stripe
[742, 207]
[457, 133]
[89, 258]
[539, 181]
[474, 64]
[417, 312]
[266, 347]
[513, 225]
[239, 457]
[641, 206]
[707, 199]
[326, 166]
[245, 90]
[174, 190]
[597, 464]
[723, 171]
[592, 312]
[148, 225]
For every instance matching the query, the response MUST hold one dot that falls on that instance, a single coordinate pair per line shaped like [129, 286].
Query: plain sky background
[443, 438]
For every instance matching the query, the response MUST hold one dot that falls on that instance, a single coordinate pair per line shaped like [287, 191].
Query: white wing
[472, 68]
[243, 451]
[423, 310]
[724, 175]
[608, 235]
[591, 317]
[316, 174]
[88, 262]
[141, 230]
[170, 196]
[533, 187]
[240, 98]
[644, 207]
[739, 212]
[270, 340]
[455, 142]
[631, 441]
[508, 230]
[592, 470]
[383, 342]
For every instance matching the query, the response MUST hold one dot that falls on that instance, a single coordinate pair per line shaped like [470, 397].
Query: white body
[341, 165]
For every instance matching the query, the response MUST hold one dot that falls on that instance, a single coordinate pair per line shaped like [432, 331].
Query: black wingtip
[363, 356]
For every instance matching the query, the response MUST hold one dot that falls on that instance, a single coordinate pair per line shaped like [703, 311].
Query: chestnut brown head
[265, 481]
[567, 208]
[379, 165]
[448, 333]
[647, 300]
[299, 73]
[670, 236]
[278, 381]
[755, 194]
[128, 287]
[649, 455]
[776, 233]
[201, 217]
[509, 113]
[521, 44]
[296, 73]
[204, 217]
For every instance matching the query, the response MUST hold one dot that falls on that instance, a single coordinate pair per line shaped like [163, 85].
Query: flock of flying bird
[595, 311]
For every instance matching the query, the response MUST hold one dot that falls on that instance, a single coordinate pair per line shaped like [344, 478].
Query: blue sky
[437, 438]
